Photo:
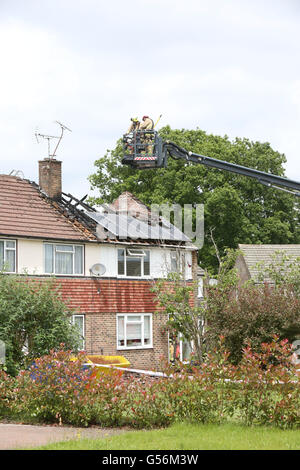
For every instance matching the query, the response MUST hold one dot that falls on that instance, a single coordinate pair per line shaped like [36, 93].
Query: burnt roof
[25, 210]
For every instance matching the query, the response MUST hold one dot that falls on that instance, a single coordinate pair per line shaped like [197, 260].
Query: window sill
[120, 276]
[133, 348]
[71, 275]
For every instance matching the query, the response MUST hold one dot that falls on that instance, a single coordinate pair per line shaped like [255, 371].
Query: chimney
[50, 177]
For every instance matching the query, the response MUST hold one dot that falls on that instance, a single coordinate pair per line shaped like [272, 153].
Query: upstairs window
[63, 259]
[8, 256]
[133, 262]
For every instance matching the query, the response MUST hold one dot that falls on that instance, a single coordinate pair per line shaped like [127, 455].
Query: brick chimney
[50, 177]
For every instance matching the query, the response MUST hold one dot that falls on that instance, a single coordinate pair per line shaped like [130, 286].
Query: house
[252, 257]
[105, 261]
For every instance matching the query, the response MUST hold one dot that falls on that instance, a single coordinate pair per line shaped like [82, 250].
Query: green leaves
[32, 317]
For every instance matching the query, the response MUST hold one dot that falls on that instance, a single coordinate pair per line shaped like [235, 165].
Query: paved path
[21, 436]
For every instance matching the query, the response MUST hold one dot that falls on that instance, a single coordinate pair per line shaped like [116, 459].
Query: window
[134, 331]
[63, 259]
[8, 256]
[180, 348]
[78, 320]
[133, 262]
[174, 262]
[178, 262]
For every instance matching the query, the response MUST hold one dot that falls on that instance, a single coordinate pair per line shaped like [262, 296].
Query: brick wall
[101, 338]
[100, 300]
[50, 177]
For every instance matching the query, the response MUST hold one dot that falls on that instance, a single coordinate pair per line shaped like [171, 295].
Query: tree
[33, 320]
[240, 209]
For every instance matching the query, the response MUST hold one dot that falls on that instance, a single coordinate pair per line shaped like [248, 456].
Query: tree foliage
[239, 209]
[33, 319]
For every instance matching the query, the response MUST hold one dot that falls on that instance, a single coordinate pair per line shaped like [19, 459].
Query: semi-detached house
[105, 261]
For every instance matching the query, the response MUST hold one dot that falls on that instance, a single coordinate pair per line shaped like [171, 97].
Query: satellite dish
[98, 269]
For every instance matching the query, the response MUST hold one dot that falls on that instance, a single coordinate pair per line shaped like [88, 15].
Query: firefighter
[134, 126]
[147, 124]
[130, 136]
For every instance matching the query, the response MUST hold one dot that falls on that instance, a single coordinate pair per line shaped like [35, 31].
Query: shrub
[261, 389]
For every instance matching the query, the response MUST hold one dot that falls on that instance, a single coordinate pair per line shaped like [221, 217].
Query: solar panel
[126, 226]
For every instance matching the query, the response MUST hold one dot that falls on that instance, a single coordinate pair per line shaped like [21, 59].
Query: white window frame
[142, 315]
[83, 324]
[5, 249]
[133, 255]
[73, 258]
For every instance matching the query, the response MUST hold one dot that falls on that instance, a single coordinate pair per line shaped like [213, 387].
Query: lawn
[192, 437]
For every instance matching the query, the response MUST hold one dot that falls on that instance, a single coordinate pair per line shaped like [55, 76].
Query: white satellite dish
[98, 269]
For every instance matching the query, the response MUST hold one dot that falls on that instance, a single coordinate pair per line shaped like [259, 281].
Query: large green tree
[238, 209]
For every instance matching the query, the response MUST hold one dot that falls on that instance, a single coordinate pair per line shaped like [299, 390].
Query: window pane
[48, 258]
[63, 263]
[147, 330]
[134, 318]
[174, 265]
[10, 244]
[133, 266]
[1, 255]
[186, 350]
[64, 248]
[78, 260]
[121, 262]
[135, 252]
[134, 334]
[10, 260]
[120, 331]
[147, 264]
[79, 322]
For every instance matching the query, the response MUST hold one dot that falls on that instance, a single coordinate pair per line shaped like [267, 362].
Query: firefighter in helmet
[147, 138]
[134, 126]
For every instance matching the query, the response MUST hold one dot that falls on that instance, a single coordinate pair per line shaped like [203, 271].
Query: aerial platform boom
[145, 149]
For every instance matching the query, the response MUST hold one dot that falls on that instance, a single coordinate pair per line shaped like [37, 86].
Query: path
[21, 436]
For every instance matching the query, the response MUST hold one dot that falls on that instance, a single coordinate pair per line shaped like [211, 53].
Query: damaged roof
[25, 210]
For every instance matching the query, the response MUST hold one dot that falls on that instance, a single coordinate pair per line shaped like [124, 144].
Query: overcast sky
[225, 66]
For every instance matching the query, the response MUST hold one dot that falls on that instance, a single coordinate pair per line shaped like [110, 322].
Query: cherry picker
[146, 149]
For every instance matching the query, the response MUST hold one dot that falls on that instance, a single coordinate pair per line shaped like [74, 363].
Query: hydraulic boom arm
[267, 179]
[145, 149]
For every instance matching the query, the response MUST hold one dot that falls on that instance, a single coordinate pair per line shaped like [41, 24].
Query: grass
[191, 437]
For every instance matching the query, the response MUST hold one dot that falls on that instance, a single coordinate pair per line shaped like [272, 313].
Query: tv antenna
[50, 137]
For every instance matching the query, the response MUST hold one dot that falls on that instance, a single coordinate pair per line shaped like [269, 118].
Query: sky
[228, 67]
